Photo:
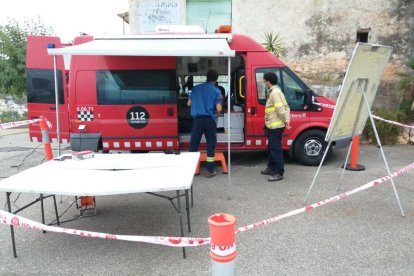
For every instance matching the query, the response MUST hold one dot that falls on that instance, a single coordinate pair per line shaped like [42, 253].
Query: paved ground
[362, 235]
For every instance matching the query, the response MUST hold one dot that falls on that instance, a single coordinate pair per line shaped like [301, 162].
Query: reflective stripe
[210, 159]
[270, 109]
[276, 124]
[45, 136]
[278, 104]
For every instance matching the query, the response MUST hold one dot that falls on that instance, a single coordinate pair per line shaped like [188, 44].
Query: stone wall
[320, 36]
[320, 27]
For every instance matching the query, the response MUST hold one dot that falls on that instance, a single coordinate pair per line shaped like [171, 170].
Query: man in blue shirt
[205, 102]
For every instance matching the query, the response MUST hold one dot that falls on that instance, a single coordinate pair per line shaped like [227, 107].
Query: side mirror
[308, 98]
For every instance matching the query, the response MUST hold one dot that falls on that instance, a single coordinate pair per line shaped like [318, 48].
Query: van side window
[136, 87]
[40, 86]
[290, 84]
[260, 86]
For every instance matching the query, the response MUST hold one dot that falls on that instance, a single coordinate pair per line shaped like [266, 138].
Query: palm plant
[274, 44]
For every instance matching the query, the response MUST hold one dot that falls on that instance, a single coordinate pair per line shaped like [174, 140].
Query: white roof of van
[201, 45]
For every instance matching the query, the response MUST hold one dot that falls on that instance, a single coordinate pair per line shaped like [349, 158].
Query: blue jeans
[274, 150]
[207, 126]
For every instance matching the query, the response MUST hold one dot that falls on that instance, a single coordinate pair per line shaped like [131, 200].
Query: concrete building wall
[323, 26]
[320, 34]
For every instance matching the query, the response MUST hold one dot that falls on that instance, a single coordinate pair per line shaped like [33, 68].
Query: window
[362, 35]
[136, 87]
[291, 86]
[40, 86]
[261, 88]
[209, 14]
[294, 93]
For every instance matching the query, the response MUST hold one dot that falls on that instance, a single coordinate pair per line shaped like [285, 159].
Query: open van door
[40, 87]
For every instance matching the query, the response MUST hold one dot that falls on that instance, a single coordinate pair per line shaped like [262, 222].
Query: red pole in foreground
[45, 138]
[354, 166]
[223, 244]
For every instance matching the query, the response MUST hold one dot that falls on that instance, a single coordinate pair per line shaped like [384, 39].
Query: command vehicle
[139, 102]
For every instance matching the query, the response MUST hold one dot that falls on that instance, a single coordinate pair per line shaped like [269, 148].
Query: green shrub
[388, 133]
[12, 116]
[406, 86]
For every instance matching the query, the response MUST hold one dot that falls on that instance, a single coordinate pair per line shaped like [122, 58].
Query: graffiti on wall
[154, 13]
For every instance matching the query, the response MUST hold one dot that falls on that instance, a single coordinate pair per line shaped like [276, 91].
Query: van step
[221, 137]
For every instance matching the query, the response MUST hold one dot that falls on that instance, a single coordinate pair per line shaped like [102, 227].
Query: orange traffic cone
[354, 166]
[45, 138]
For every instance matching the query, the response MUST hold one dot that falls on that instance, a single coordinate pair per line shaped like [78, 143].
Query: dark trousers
[274, 150]
[207, 126]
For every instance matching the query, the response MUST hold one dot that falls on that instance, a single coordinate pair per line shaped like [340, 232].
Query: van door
[138, 109]
[294, 91]
[124, 103]
[40, 87]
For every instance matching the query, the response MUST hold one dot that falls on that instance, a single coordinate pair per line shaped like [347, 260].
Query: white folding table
[107, 174]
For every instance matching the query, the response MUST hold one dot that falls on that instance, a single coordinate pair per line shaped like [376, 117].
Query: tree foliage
[13, 53]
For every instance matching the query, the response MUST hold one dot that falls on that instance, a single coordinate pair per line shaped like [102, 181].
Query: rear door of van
[40, 87]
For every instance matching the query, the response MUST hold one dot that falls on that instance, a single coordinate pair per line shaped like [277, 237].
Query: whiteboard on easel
[368, 62]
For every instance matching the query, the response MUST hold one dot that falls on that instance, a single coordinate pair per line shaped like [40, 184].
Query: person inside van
[223, 95]
[205, 103]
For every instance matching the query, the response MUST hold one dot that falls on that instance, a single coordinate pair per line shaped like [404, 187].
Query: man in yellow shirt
[277, 118]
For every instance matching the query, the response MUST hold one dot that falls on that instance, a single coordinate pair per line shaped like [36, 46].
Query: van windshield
[136, 86]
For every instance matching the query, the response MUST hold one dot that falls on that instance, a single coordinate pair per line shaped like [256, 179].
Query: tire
[310, 146]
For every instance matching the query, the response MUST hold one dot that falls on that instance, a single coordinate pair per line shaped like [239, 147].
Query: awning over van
[180, 47]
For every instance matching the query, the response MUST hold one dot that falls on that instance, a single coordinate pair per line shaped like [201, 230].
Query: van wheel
[310, 147]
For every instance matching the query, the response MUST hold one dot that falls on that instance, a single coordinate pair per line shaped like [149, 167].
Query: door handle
[52, 108]
[170, 111]
[253, 111]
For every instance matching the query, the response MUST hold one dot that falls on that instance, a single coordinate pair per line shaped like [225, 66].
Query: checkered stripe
[85, 116]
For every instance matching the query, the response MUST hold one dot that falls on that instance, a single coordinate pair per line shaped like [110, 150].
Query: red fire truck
[129, 93]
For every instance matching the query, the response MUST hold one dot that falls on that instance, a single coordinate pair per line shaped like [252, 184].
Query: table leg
[11, 226]
[56, 210]
[187, 206]
[43, 210]
[192, 198]
[180, 215]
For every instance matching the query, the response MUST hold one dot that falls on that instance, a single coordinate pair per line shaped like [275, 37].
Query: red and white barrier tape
[18, 221]
[391, 122]
[18, 123]
[326, 201]
[373, 116]
[325, 105]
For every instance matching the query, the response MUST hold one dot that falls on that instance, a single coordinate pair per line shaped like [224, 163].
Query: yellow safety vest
[277, 111]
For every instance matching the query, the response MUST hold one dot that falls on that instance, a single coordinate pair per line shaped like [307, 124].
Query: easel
[362, 84]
